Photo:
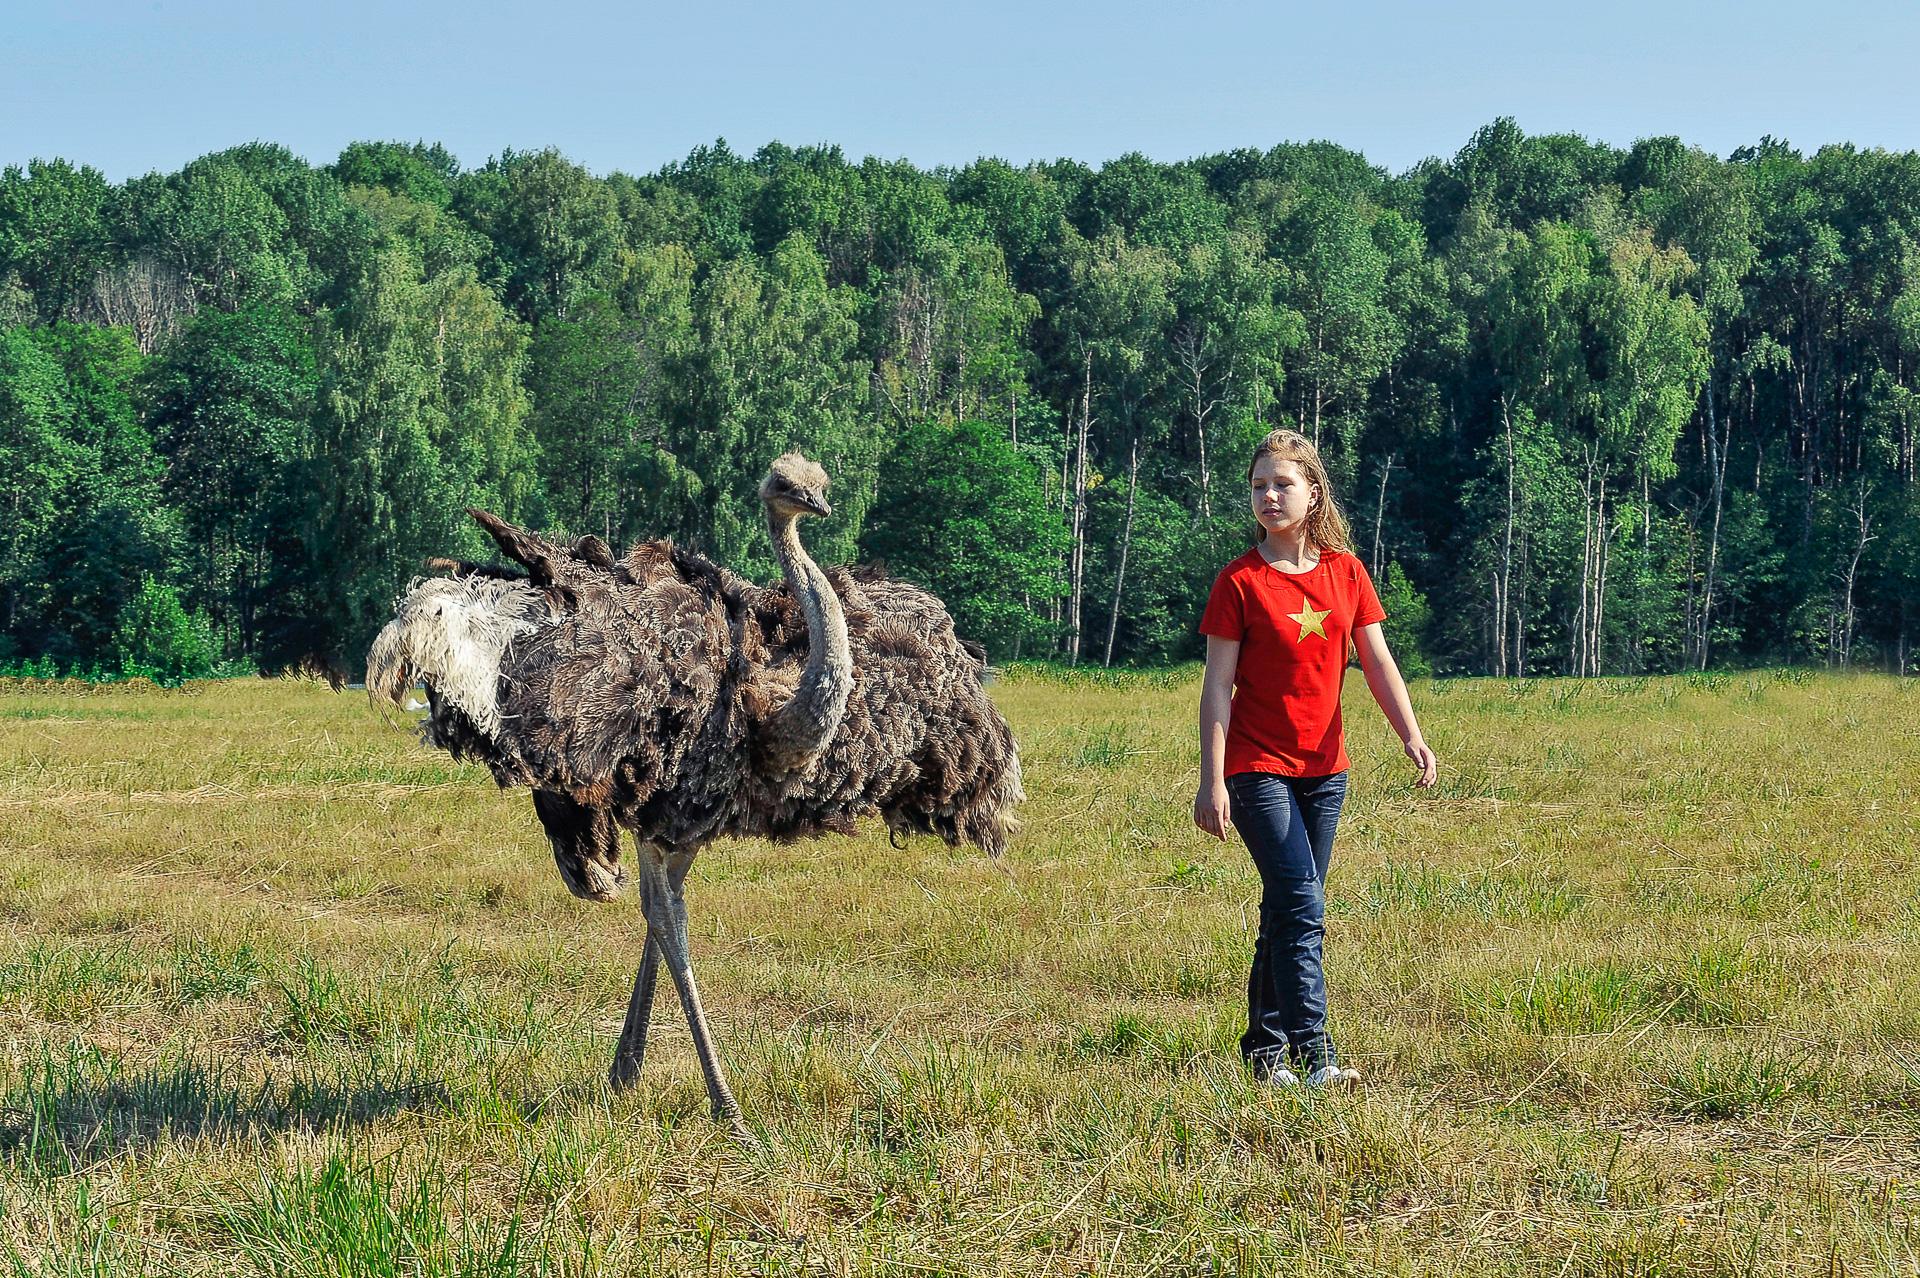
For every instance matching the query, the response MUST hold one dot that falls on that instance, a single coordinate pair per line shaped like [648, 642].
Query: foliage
[1608, 411]
[231, 404]
[964, 516]
[80, 486]
[1406, 623]
[158, 639]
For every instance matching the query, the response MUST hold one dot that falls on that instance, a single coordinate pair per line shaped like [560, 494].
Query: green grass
[1636, 991]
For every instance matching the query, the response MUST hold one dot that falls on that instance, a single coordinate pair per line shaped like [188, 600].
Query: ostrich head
[586, 846]
[795, 486]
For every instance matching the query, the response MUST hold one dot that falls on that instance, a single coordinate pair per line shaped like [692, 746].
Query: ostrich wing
[547, 561]
[603, 703]
[921, 744]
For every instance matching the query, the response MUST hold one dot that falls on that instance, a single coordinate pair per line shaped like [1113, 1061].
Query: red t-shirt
[1293, 630]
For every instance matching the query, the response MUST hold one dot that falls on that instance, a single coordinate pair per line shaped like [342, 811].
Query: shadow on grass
[72, 1110]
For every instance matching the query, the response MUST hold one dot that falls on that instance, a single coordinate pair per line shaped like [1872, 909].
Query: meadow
[1636, 990]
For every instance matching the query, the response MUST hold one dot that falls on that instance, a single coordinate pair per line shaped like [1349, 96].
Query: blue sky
[129, 87]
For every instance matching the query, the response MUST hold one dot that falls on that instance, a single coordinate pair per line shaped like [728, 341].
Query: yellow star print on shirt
[1310, 620]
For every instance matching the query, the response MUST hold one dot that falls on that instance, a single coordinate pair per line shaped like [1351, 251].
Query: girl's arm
[1211, 810]
[1390, 690]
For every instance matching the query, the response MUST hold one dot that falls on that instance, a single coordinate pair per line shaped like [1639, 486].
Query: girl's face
[1281, 494]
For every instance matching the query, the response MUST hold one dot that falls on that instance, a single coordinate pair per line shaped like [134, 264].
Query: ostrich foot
[728, 1114]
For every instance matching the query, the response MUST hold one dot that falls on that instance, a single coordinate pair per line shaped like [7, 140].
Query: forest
[1590, 410]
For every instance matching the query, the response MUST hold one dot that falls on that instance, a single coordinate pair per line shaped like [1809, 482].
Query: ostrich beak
[817, 504]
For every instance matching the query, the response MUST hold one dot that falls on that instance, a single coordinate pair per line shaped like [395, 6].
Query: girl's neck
[1289, 550]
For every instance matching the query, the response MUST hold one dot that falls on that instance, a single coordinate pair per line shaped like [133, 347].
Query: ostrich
[666, 695]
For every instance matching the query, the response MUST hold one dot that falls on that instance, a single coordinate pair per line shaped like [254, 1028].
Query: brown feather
[636, 706]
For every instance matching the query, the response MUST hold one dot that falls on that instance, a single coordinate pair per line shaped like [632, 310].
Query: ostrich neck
[801, 728]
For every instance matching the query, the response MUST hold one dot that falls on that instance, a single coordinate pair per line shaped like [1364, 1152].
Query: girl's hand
[1422, 755]
[1211, 810]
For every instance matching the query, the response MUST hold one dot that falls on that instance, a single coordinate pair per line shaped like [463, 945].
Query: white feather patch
[452, 634]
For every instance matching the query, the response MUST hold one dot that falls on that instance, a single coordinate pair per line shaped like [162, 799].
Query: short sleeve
[1366, 604]
[1226, 614]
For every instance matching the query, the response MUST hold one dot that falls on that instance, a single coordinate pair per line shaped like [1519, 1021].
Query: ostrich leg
[667, 926]
[632, 1049]
[633, 1035]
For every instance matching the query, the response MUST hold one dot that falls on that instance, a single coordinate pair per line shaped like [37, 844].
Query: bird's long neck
[800, 729]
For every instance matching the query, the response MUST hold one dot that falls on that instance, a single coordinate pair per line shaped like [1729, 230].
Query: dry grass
[1636, 991]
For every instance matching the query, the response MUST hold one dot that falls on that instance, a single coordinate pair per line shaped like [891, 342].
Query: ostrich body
[663, 694]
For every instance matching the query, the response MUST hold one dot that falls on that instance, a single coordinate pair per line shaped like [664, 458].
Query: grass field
[1636, 991]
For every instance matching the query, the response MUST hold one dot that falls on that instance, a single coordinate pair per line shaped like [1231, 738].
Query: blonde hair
[1326, 525]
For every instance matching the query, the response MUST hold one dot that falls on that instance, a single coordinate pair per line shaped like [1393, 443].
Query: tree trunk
[1053, 603]
[1604, 557]
[1126, 544]
[1864, 524]
[1200, 440]
[1806, 468]
[1717, 450]
[1577, 652]
[1190, 348]
[1646, 510]
[1906, 428]
[1080, 511]
[1497, 641]
[1379, 515]
[1690, 573]
[1520, 612]
[1506, 545]
[1646, 560]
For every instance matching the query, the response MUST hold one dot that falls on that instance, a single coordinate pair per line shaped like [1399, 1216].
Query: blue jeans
[1288, 825]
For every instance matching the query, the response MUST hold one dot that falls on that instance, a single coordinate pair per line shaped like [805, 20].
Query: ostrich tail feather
[453, 635]
[991, 822]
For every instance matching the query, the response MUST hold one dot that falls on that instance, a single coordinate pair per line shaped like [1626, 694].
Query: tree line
[1591, 410]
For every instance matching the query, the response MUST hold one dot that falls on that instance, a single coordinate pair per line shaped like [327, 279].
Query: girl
[1273, 763]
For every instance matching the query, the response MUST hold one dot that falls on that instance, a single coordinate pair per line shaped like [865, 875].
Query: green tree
[1654, 341]
[1406, 623]
[82, 491]
[1122, 306]
[419, 414]
[157, 638]
[218, 227]
[603, 383]
[440, 241]
[1025, 210]
[55, 233]
[1336, 278]
[553, 225]
[35, 462]
[1706, 207]
[952, 340]
[1227, 344]
[774, 366]
[231, 404]
[419, 172]
[964, 515]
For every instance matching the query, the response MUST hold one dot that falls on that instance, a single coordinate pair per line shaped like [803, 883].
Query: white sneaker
[1275, 1076]
[1343, 1077]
